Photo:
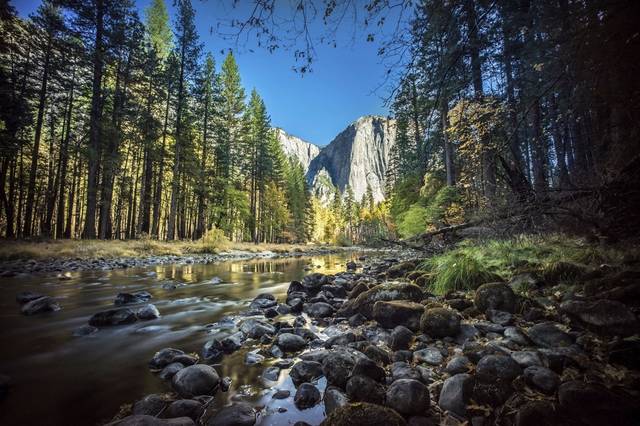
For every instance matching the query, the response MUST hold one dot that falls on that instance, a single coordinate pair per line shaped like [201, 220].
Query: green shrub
[458, 270]
[213, 240]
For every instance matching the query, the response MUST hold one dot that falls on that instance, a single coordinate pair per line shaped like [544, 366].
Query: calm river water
[58, 379]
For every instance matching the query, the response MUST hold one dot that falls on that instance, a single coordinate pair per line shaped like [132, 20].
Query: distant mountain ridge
[357, 157]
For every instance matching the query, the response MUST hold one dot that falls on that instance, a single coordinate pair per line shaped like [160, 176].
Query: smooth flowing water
[59, 379]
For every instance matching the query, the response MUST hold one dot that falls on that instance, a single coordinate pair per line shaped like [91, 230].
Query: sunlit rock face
[297, 148]
[357, 157]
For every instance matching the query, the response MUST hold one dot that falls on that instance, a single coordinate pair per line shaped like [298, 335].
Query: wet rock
[603, 316]
[527, 358]
[549, 335]
[431, 356]
[340, 340]
[536, 413]
[362, 413]
[312, 283]
[281, 394]
[212, 351]
[185, 408]
[148, 312]
[493, 379]
[401, 338]
[364, 389]
[113, 317]
[316, 355]
[337, 367]
[170, 370]
[335, 291]
[408, 397]
[495, 296]
[27, 296]
[255, 328]
[232, 342]
[398, 312]
[167, 356]
[196, 380]
[383, 292]
[305, 371]
[402, 370]
[499, 317]
[144, 420]
[593, 405]
[85, 330]
[271, 373]
[377, 354]
[238, 414]
[357, 319]
[150, 405]
[319, 310]
[541, 378]
[251, 358]
[40, 305]
[132, 298]
[263, 301]
[290, 342]
[352, 266]
[366, 367]
[295, 286]
[458, 364]
[334, 398]
[306, 396]
[456, 393]
[440, 322]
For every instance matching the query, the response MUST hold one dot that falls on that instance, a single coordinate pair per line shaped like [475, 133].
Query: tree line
[509, 103]
[115, 128]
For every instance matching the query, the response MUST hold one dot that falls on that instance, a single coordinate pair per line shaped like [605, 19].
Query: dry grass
[95, 249]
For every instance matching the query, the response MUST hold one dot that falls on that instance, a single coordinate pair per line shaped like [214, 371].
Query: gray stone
[456, 393]
[541, 378]
[431, 356]
[305, 371]
[364, 389]
[495, 296]
[238, 414]
[458, 364]
[148, 312]
[398, 312]
[306, 396]
[290, 342]
[408, 397]
[196, 380]
[334, 398]
[549, 335]
[40, 305]
[440, 322]
[113, 317]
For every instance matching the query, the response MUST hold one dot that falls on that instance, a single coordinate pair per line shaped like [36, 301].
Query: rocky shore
[11, 268]
[372, 347]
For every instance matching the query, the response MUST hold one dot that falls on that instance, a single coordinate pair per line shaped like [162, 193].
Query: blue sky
[316, 107]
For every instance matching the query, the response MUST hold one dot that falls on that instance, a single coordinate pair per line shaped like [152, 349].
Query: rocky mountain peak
[297, 148]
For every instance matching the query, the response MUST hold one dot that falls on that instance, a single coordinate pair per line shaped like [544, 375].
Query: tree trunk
[28, 218]
[93, 163]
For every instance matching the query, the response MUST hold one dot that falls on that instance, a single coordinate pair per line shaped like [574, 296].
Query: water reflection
[66, 380]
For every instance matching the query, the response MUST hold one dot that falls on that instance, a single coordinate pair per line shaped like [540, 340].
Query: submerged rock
[132, 298]
[40, 305]
[148, 312]
[168, 356]
[27, 296]
[113, 317]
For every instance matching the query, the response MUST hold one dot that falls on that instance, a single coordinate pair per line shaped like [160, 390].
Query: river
[59, 379]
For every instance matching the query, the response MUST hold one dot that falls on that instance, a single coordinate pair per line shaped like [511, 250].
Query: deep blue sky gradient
[316, 107]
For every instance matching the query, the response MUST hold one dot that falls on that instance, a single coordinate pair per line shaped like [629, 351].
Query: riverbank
[374, 347]
[63, 256]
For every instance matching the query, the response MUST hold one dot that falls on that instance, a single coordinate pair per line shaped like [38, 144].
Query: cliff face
[357, 157]
[297, 148]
